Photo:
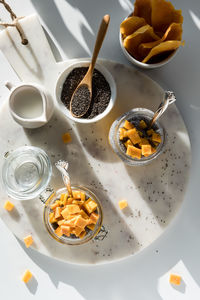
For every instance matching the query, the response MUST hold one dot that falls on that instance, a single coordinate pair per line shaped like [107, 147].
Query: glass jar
[134, 116]
[26, 172]
[72, 240]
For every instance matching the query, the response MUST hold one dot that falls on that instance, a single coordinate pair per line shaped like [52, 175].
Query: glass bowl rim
[20, 195]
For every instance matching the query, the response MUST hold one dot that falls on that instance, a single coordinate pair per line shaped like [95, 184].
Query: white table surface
[73, 24]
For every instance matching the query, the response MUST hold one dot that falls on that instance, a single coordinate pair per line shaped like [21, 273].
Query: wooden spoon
[81, 98]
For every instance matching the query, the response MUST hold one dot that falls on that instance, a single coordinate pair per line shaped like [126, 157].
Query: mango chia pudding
[73, 219]
[140, 141]
[133, 140]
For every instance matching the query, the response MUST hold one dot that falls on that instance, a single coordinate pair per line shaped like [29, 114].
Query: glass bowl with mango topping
[133, 140]
[73, 219]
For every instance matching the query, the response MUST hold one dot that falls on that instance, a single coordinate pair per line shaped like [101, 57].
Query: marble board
[154, 192]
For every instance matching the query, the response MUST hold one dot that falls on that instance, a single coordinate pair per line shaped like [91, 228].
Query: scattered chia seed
[101, 91]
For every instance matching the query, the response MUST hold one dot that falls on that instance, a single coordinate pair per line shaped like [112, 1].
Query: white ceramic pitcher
[46, 105]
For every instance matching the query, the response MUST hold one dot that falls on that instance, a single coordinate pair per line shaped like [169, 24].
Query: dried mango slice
[130, 25]
[163, 47]
[142, 8]
[163, 14]
[173, 32]
[142, 35]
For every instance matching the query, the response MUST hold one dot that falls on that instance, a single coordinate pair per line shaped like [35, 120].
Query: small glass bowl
[72, 240]
[135, 115]
[26, 172]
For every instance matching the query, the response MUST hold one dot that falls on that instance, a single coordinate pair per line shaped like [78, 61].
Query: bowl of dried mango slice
[133, 141]
[152, 34]
[73, 219]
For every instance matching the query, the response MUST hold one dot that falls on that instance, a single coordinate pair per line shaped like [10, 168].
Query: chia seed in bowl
[101, 91]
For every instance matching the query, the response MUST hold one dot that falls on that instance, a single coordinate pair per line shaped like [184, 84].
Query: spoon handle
[62, 166]
[168, 99]
[99, 40]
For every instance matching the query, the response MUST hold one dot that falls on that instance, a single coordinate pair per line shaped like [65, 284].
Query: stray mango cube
[175, 279]
[27, 276]
[8, 205]
[66, 137]
[122, 204]
[28, 240]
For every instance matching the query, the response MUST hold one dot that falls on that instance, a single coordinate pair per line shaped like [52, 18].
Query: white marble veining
[154, 192]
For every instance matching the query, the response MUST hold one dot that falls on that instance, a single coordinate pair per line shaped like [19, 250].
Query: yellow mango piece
[8, 205]
[163, 47]
[156, 137]
[173, 32]
[122, 204]
[61, 222]
[143, 124]
[77, 231]
[64, 201]
[28, 241]
[93, 218]
[27, 276]
[78, 202]
[163, 14]
[52, 219]
[146, 150]
[54, 205]
[128, 125]
[83, 233]
[65, 230]
[131, 24]
[134, 136]
[142, 8]
[70, 200]
[91, 226]
[144, 141]
[90, 205]
[153, 150]
[57, 212]
[80, 222]
[128, 142]
[66, 137]
[70, 209]
[134, 152]
[142, 35]
[58, 231]
[122, 133]
[76, 194]
[150, 132]
[82, 196]
[84, 215]
[175, 279]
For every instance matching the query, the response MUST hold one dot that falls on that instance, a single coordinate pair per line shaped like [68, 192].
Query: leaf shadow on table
[76, 39]
[49, 137]
[162, 183]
